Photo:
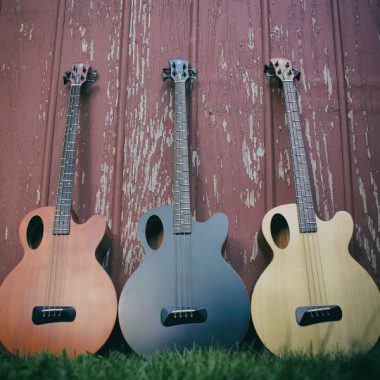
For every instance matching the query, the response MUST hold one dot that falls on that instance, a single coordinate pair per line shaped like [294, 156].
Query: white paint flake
[255, 249]
[222, 61]
[101, 203]
[82, 31]
[251, 38]
[327, 78]
[228, 136]
[196, 160]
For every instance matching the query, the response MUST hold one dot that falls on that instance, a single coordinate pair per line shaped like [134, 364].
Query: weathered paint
[239, 150]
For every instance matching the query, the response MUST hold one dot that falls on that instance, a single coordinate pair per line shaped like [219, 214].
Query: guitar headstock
[79, 74]
[282, 69]
[179, 70]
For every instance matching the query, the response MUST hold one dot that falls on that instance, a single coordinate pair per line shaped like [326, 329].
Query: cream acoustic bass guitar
[184, 294]
[59, 297]
[313, 297]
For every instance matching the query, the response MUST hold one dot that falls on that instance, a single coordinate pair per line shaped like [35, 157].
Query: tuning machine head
[282, 69]
[67, 77]
[296, 72]
[92, 76]
[179, 70]
[268, 71]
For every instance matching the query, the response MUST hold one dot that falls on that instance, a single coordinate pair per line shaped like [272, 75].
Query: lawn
[196, 364]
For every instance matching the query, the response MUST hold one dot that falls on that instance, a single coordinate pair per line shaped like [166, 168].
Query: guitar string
[294, 122]
[62, 215]
[71, 152]
[184, 193]
[57, 222]
[312, 237]
[64, 212]
[305, 235]
[186, 211]
[182, 139]
[177, 205]
[66, 200]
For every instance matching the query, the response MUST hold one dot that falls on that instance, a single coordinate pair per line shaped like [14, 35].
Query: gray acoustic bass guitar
[184, 294]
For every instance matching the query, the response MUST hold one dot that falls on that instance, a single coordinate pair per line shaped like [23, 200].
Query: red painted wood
[26, 44]
[238, 138]
[359, 25]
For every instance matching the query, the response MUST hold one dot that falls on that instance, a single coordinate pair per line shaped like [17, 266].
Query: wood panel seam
[268, 119]
[342, 101]
[194, 20]
[54, 80]
[119, 154]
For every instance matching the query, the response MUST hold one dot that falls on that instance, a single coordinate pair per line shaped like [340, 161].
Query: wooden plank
[239, 148]
[360, 30]
[229, 154]
[27, 31]
[302, 33]
[148, 149]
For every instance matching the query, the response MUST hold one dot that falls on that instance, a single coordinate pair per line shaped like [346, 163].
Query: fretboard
[65, 185]
[182, 212]
[306, 214]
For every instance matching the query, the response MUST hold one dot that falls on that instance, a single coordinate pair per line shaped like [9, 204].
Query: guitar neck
[306, 214]
[66, 177]
[182, 211]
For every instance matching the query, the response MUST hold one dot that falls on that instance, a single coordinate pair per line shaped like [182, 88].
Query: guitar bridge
[180, 316]
[310, 315]
[52, 314]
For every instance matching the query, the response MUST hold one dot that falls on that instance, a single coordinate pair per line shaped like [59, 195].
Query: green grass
[195, 364]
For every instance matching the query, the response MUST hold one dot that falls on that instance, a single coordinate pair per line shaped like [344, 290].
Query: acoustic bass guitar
[313, 296]
[184, 294]
[59, 297]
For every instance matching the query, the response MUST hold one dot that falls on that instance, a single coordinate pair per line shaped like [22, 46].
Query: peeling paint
[102, 205]
[251, 162]
[215, 183]
[251, 38]
[284, 167]
[38, 198]
[327, 78]
[196, 160]
[228, 136]
[255, 248]
[222, 61]
[82, 31]
[249, 198]
[377, 203]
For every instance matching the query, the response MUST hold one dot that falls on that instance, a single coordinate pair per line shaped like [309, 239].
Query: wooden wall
[240, 157]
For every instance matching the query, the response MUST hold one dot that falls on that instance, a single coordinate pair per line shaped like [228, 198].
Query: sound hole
[34, 232]
[280, 231]
[154, 232]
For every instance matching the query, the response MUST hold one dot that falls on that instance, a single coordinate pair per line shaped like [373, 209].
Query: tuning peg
[165, 74]
[268, 71]
[92, 76]
[192, 73]
[296, 72]
[66, 77]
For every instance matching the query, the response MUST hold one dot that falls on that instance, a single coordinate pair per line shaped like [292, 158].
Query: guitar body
[293, 280]
[61, 270]
[215, 286]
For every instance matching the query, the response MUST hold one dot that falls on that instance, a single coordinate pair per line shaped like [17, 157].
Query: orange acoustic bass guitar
[313, 296]
[59, 297]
